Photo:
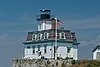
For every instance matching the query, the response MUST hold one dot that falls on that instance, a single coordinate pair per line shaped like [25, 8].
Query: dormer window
[62, 35]
[39, 36]
[34, 37]
[45, 35]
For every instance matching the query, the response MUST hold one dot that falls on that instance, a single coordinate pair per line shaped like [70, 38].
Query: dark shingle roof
[98, 46]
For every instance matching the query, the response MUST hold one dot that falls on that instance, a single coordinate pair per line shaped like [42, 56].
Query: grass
[86, 63]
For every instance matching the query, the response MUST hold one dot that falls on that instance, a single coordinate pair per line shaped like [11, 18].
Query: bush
[63, 65]
[73, 62]
[86, 63]
[56, 63]
[48, 62]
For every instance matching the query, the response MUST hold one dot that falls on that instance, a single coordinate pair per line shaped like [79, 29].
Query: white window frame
[61, 35]
[98, 55]
[39, 47]
[33, 51]
[34, 37]
[45, 34]
[39, 36]
[45, 48]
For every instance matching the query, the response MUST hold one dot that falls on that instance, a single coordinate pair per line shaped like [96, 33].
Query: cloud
[83, 23]
[96, 41]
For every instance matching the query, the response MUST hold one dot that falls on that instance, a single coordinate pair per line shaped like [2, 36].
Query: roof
[98, 46]
[50, 40]
[45, 10]
[61, 30]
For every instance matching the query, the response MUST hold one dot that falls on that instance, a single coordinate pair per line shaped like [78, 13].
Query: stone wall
[40, 63]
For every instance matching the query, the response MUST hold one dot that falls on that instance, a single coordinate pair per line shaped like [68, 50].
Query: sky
[17, 17]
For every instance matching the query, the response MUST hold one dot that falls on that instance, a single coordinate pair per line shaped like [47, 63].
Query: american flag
[59, 22]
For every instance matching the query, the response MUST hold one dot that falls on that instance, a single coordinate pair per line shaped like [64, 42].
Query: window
[34, 37]
[40, 26]
[28, 47]
[98, 55]
[68, 49]
[45, 35]
[98, 48]
[62, 36]
[39, 47]
[33, 49]
[39, 36]
[45, 50]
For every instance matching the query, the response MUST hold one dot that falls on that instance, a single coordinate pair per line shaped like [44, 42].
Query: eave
[52, 40]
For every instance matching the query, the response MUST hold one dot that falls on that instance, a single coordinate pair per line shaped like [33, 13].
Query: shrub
[73, 62]
[56, 63]
[63, 65]
[48, 62]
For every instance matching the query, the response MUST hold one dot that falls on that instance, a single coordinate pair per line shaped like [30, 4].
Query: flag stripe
[59, 22]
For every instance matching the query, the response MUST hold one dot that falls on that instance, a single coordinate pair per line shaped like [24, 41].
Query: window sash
[62, 35]
[98, 55]
[34, 37]
[45, 35]
[45, 48]
[39, 36]
[33, 49]
[39, 47]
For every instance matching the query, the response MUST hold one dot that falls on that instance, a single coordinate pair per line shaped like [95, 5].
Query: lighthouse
[49, 41]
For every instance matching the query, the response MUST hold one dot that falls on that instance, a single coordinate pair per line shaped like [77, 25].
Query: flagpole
[56, 40]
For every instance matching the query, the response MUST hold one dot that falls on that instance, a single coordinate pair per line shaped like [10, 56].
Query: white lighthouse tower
[44, 20]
